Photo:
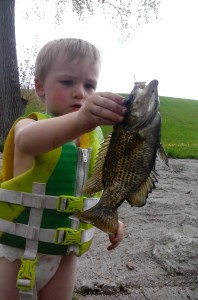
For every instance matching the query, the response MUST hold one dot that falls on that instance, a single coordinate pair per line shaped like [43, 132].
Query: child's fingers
[102, 109]
[110, 104]
[116, 239]
[107, 116]
[107, 110]
[114, 97]
[112, 246]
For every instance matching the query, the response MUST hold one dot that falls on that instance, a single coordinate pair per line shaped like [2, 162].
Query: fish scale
[125, 167]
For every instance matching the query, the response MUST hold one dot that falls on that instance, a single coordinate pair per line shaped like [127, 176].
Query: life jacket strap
[29, 295]
[63, 203]
[61, 236]
[26, 275]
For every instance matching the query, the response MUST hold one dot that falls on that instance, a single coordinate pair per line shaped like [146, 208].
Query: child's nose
[79, 92]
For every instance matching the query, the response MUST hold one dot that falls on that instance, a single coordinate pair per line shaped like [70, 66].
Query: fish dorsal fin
[140, 196]
[95, 182]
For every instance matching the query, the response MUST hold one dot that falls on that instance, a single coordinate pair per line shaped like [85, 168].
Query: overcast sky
[166, 49]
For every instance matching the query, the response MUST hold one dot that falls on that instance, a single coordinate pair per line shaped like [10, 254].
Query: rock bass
[125, 166]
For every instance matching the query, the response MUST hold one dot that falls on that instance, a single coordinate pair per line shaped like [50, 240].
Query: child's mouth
[76, 107]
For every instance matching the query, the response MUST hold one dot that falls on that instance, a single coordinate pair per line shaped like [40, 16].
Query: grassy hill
[179, 127]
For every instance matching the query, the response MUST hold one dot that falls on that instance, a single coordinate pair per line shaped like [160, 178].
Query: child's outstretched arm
[36, 137]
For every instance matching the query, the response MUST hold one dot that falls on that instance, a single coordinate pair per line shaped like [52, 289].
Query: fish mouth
[142, 104]
[152, 92]
[153, 84]
[141, 87]
[153, 99]
[145, 96]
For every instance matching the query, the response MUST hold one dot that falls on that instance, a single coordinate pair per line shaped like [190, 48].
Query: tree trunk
[11, 106]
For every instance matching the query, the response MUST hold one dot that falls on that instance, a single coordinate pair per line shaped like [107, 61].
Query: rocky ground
[158, 258]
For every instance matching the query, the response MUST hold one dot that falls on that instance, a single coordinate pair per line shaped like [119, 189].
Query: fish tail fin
[101, 217]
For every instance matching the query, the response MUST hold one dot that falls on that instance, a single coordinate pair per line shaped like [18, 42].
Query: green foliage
[124, 15]
[34, 104]
[179, 127]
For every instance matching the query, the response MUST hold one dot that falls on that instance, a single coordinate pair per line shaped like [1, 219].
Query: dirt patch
[158, 258]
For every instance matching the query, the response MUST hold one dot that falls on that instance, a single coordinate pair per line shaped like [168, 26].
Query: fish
[125, 168]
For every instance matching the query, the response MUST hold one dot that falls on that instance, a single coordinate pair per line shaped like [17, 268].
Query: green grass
[179, 127]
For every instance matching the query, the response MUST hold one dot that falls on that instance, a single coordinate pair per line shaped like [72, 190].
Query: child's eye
[66, 82]
[89, 86]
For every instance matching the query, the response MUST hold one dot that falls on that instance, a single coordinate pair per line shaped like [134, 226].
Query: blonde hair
[68, 49]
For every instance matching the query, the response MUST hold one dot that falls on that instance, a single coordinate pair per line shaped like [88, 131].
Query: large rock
[177, 254]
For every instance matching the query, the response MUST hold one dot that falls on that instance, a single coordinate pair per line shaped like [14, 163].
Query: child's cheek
[60, 98]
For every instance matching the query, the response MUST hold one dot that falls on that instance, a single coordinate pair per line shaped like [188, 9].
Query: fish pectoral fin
[162, 154]
[101, 217]
[140, 196]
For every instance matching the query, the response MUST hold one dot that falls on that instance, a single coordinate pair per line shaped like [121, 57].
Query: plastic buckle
[26, 274]
[70, 204]
[67, 236]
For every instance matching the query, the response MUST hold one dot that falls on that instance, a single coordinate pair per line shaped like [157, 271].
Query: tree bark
[11, 106]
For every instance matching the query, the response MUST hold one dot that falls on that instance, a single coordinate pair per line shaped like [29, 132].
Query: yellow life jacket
[52, 186]
[36, 206]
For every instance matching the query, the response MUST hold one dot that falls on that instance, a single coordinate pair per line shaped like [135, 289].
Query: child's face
[68, 84]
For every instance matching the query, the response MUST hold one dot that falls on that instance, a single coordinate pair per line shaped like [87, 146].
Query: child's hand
[101, 109]
[116, 239]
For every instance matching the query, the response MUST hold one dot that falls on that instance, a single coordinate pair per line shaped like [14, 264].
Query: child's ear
[39, 87]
